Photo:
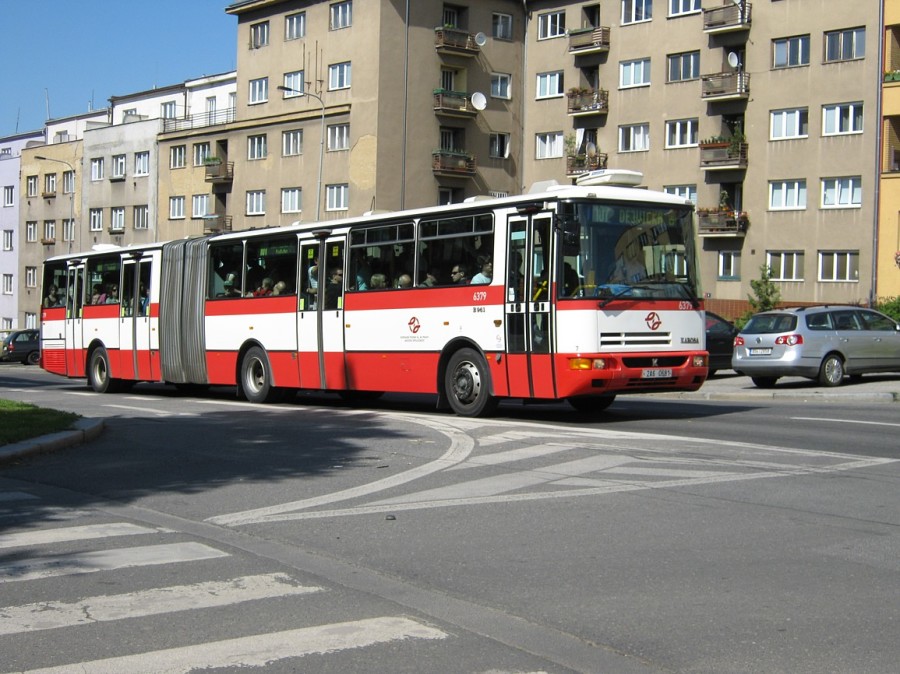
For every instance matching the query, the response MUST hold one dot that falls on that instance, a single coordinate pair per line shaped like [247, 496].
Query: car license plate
[761, 352]
[656, 373]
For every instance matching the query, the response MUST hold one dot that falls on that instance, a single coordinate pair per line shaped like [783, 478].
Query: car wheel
[591, 404]
[467, 385]
[764, 382]
[256, 378]
[831, 372]
[33, 358]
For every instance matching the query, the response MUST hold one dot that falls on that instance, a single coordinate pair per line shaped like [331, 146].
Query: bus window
[384, 252]
[226, 264]
[55, 285]
[465, 242]
[103, 279]
[271, 263]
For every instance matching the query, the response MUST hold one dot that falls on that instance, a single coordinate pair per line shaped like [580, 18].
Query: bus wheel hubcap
[468, 382]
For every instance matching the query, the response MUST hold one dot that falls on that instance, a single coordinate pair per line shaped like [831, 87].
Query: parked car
[720, 336]
[23, 346]
[824, 343]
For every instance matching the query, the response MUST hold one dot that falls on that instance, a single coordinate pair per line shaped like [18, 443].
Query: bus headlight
[699, 361]
[588, 363]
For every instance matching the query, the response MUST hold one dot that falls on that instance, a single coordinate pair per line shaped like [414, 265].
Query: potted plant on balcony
[212, 161]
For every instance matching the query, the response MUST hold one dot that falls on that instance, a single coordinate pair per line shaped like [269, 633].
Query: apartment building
[888, 263]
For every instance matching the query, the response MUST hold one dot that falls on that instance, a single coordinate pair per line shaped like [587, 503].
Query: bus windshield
[627, 250]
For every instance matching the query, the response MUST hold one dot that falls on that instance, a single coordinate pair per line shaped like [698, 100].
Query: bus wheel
[256, 378]
[467, 385]
[591, 404]
[98, 372]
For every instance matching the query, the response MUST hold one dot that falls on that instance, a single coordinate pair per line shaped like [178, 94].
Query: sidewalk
[727, 385]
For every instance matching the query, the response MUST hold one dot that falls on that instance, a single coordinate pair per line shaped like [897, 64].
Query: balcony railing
[453, 103]
[576, 164]
[588, 102]
[220, 172]
[723, 156]
[726, 86]
[589, 40]
[452, 163]
[455, 41]
[722, 223]
[199, 120]
[216, 223]
[727, 18]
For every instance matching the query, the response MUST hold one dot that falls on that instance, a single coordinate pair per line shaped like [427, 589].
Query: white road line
[259, 650]
[510, 456]
[16, 496]
[53, 615]
[83, 533]
[147, 410]
[105, 560]
[848, 421]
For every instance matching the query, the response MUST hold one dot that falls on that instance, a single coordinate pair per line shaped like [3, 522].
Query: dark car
[720, 336]
[23, 346]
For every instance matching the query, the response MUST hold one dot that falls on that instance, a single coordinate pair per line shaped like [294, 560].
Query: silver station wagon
[824, 343]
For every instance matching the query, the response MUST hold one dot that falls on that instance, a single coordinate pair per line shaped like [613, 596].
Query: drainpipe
[524, 84]
[403, 142]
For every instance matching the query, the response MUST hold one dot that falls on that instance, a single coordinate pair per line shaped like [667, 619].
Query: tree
[765, 296]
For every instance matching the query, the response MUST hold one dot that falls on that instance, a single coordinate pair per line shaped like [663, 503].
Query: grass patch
[21, 421]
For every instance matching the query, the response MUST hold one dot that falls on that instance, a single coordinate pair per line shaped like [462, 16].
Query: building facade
[888, 241]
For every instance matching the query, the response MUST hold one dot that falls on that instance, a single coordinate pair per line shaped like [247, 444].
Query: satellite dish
[591, 150]
[733, 60]
[480, 39]
[479, 102]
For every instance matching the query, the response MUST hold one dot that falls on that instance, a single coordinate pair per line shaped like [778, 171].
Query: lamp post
[321, 139]
[71, 195]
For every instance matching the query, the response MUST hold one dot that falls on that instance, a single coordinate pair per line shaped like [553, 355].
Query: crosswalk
[122, 551]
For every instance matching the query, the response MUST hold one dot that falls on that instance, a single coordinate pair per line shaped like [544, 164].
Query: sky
[71, 55]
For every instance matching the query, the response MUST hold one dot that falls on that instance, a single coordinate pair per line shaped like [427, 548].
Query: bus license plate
[761, 352]
[657, 373]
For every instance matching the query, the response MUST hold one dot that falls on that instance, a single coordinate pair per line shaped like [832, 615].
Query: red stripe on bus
[280, 304]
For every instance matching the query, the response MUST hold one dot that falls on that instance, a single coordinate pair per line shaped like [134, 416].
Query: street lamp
[71, 195]
[321, 139]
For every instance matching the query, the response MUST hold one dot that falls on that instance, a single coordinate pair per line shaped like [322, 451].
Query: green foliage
[889, 306]
[20, 421]
[765, 296]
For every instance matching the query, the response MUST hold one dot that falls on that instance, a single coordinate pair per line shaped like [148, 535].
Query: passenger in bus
[459, 275]
[334, 289]
[265, 288]
[52, 299]
[279, 288]
[230, 290]
[363, 271]
[143, 300]
[98, 296]
[377, 282]
[404, 281]
[113, 297]
[486, 273]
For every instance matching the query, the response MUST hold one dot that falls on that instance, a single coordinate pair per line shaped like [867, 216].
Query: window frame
[501, 26]
[636, 11]
[638, 142]
[259, 35]
[851, 186]
[292, 143]
[788, 187]
[255, 203]
[95, 219]
[257, 146]
[498, 145]
[337, 197]
[549, 145]
[339, 76]
[846, 259]
[551, 25]
[857, 46]
[729, 265]
[338, 137]
[677, 7]
[258, 91]
[692, 131]
[798, 118]
[501, 86]
[833, 116]
[340, 15]
[545, 82]
[295, 26]
[142, 163]
[797, 264]
[801, 54]
[177, 156]
[176, 208]
[678, 61]
[291, 199]
[634, 67]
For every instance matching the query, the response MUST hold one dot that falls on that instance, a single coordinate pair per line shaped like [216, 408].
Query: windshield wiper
[624, 291]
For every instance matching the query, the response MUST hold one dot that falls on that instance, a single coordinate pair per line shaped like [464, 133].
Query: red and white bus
[578, 293]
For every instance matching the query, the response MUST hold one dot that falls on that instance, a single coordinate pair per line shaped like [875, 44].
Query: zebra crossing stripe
[259, 650]
[105, 560]
[66, 534]
[156, 601]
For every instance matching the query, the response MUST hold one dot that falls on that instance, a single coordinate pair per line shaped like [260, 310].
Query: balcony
[723, 155]
[454, 41]
[589, 40]
[198, 121]
[731, 86]
[722, 223]
[584, 102]
[453, 104]
[219, 172]
[452, 163]
[728, 18]
[213, 224]
[576, 164]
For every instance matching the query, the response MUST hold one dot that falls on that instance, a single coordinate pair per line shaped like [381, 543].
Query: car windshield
[763, 324]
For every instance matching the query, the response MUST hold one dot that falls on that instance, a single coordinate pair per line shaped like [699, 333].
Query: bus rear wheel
[467, 385]
[256, 378]
[98, 372]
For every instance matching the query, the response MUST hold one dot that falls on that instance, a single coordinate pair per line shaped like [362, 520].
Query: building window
[501, 26]
[141, 217]
[295, 26]
[294, 84]
[68, 182]
[97, 169]
[50, 183]
[785, 265]
[549, 145]
[292, 142]
[634, 73]
[550, 85]
[68, 226]
[338, 137]
[257, 147]
[790, 52]
[141, 163]
[256, 202]
[7, 284]
[787, 195]
[681, 133]
[31, 277]
[634, 11]
[290, 200]
[117, 218]
[176, 208]
[118, 166]
[199, 205]
[49, 230]
[787, 124]
[845, 45]
[679, 7]
[552, 24]
[259, 90]
[9, 195]
[337, 197]
[844, 118]
[684, 67]
[683, 191]
[201, 153]
[7, 239]
[450, 16]
[729, 265]
[177, 156]
[341, 15]
[634, 138]
[839, 265]
[842, 192]
[259, 35]
[96, 219]
[31, 231]
[499, 146]
[500, 85]
[31, 183]
[339, 76]
[168, 110]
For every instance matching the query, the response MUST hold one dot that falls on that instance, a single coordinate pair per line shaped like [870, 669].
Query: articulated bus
[576, 293]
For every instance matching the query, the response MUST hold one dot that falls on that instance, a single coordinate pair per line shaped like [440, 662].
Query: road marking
[83, 533]
[53, 615]
[147, 410]
[105, 560]
[848, 421]
[259, 650]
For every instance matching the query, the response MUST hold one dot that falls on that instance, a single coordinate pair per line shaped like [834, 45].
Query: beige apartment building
[888, 264]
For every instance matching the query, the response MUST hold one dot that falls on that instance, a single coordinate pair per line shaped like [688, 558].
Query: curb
[84, 430]
[880, 397]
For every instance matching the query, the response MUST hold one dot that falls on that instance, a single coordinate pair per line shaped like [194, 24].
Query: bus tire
[98, 372]
[592, 404]
[256, 378]
[467, 385]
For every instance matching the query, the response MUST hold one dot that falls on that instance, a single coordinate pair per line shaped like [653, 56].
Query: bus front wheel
[98, 372]
[256, 378]
[467, 385]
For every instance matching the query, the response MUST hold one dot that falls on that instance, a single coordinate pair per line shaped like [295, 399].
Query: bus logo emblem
[414, 325]
[653, 320]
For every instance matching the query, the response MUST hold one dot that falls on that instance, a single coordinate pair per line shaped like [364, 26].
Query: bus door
[134, 320]
[320, 326]
[74, 335]
[529, 336]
